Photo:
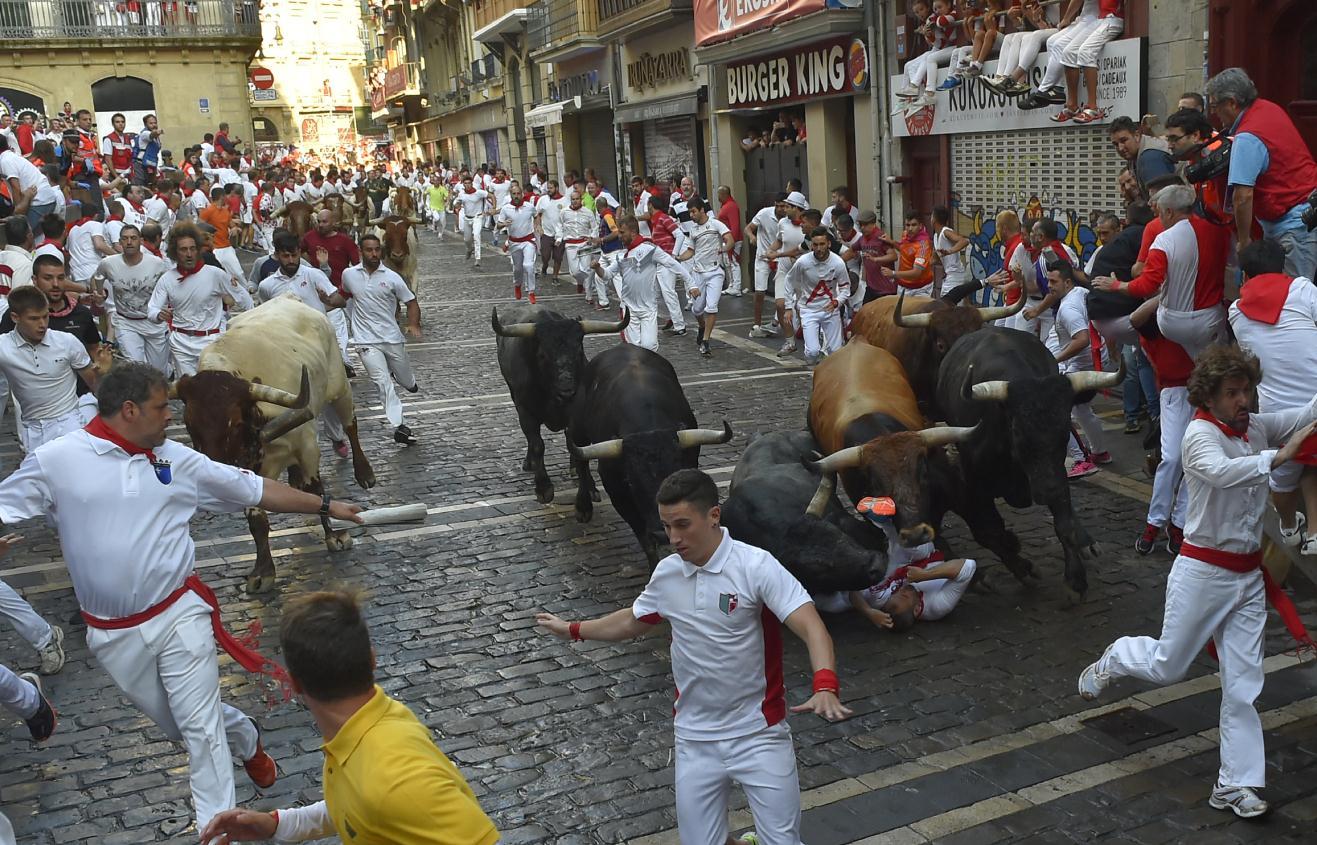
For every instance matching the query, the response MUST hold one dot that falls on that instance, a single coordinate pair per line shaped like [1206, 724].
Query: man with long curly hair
[1217, 591]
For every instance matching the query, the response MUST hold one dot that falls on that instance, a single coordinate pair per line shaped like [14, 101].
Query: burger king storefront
[796, 73]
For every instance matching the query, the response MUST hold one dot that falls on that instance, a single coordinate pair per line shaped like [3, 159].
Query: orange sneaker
[261, 768]
[531, 297]
[877, 506]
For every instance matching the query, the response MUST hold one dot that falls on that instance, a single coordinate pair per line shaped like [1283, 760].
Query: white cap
[797, 199]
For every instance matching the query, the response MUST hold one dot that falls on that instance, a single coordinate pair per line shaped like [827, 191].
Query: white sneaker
[761, 331]
[788, 347]
[1241, 800]
[52, 655]
[1092, 681]
[1294, 536]
[908, 92]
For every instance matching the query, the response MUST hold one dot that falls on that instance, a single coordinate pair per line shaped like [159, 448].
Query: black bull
[1005, 382]
[541, 355]
[779, 505]
[631, 415]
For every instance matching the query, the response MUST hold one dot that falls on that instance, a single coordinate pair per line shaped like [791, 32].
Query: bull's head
[947, 324]
[898, 466]
[644, 460]
[558, 349]
[224, 422]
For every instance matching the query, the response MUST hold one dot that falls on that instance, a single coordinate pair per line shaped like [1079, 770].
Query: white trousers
[1195, 330]
[813, 322]
[228, 259]
[470, 227]
[26, 621]
[523, 264]
[1166, 503]
[168, 668]
[763, 763]
[381, 360]
[734, 269]
[1040, 327]
[643, 328]
[143, 340]
[923, 69]
[1205, 602]
[709, 283]
[1019, 50]
[667, 285]
[579, 259]
[18, 697]
[37, 432]
[185, 352]
[338, 318]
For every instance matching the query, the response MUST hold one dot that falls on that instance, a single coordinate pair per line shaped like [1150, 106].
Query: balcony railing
[566, 20]
[614, 14]
[100, 20]
[488, 11]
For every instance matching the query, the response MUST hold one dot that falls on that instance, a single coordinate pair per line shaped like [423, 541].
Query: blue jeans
[1300, 252]
[1140, 385]
[36, 212]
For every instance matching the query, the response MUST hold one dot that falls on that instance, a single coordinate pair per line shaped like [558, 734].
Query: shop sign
[825, 69]
[973, 107]
[578, 85]
[719, 20]
[651, 71]
[264, 95]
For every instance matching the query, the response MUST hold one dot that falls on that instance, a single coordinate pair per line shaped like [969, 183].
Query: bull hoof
[1091, 552]
[571, 470]
[594, 495]
[258, 584]
[1073, 597]
[584, 515]
[544, 493]
[367, 481]
[337, 541]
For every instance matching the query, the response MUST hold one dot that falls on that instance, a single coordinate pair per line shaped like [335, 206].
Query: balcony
[98, 21]
[564, 29]
[496, 18]
[619, 18]
[388, 90]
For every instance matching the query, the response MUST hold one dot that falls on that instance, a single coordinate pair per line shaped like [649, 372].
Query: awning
[548, 114]
[657, 109]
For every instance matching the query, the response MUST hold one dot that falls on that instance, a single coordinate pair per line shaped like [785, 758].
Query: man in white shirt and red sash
[1217, 591]
[1275, 319]
[190, 298]
[122, 496]
[521, 222]
[724, 600]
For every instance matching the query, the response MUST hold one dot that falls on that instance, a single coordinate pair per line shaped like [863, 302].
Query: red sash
[1244, 563]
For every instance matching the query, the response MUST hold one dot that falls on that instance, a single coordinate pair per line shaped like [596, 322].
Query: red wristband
[825, 680]
[575, 630]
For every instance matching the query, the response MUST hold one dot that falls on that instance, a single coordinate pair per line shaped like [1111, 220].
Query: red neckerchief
[517, 203]
[183, 274]
[497, 181]
[555, 196]
[1263, 297]
[116, 217]
[154, 250]
[1201, 414]
[468, 190]
[99, 428]
[76, 223]
[639, 239]
[69, 304]
[136, 206]
[188, 192]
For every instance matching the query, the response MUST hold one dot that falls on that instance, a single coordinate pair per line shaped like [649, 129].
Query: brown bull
[864, 414]
[360, 209]
[401, 202]
[920, 331]
[398, 238]
[341, 208]
[298, 217]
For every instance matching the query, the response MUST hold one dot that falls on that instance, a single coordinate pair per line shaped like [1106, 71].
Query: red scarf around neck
[98, 427]
[1263, 297]
[1202, 414]
[184, 273]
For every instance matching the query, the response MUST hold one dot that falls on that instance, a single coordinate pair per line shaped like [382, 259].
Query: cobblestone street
[967, 730]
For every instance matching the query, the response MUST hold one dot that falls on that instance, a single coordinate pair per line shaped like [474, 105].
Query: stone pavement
[965, 730]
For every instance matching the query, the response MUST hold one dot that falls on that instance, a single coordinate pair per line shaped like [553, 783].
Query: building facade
[187, 66]
[308, 81]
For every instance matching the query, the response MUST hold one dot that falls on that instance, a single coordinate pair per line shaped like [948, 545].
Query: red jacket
[663, 231]
[1291, 173]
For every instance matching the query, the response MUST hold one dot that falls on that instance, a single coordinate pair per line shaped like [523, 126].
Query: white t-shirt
[520, 220]
[1287, 350]
[550, 214]
[953, 265]
[123, 530]
[473, 203]
[500, 190]
[373, 299]
[642, 207]
[726, 651]
[766, 229]
[307, 283]
[42, 374]
[813, 283]
[197, 300]
[707, 240]
[81, 244]
[14, 166]
[131, 285]
[792, 235]
[1071, 319]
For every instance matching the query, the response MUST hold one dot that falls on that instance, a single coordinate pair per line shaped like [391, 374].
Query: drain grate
[1128, 725]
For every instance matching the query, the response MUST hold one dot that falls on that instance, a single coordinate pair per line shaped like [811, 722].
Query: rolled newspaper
[384, 516]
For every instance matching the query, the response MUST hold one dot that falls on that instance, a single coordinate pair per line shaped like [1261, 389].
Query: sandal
[1063, 116]
[1088, 115]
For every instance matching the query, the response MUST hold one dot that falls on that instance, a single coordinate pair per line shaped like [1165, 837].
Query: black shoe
[704, 349]
[43, 723]
[1053, 96]
[414, 388]
[1133, 426]
[679, 333]
[402, 434]
[347, 369]
[1032, 101]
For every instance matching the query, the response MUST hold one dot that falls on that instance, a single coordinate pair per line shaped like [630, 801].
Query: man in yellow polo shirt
[384, 779]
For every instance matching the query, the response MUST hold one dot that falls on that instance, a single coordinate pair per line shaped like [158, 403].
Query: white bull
[253, 404]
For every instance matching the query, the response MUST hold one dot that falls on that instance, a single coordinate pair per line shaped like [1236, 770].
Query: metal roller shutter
[670, 147]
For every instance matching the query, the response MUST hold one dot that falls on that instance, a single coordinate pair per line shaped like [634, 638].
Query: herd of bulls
[910, 360]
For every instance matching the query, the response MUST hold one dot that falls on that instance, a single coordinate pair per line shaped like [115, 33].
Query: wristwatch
[324, 505]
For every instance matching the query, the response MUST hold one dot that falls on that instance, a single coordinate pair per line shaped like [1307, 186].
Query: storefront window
[783, 128]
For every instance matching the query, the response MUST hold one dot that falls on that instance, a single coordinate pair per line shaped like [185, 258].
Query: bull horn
[275, 396]
[280, 211]
[847, 458]
[1096, 380]
[605, 327]
[990, 391]
[945, 435]
[377, 221]
[413, 220]
[914, 321]
[286, 422]
[596, 451]
[827, 488]
[349, 202]
[688, 438]
[514, 330]
[1001, 312]
[173, 389]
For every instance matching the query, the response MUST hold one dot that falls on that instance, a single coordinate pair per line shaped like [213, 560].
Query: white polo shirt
[307, 283]
[42, 374]
[550, 210]
[197, 300]
[726, 639]
[642, 207]
[1071, 319]
[707, 241]
[123, 530]
[372, 301]
[519, 219]
[81, 244]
